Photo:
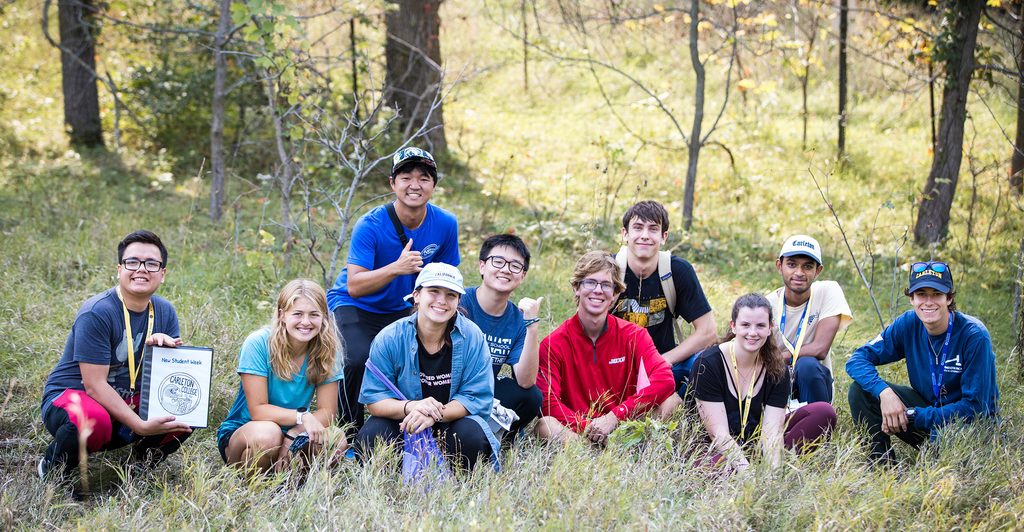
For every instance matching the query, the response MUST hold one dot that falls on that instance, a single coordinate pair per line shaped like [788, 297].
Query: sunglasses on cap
[935, 266]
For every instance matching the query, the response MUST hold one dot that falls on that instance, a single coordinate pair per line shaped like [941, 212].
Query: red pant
[73, 411]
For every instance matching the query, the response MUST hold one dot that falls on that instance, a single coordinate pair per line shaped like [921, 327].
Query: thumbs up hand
[410, 261]
[530, 307]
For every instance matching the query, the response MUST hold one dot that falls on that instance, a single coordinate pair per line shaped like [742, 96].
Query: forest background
[251, 135]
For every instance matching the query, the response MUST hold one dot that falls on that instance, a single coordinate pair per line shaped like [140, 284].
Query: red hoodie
[582, 380]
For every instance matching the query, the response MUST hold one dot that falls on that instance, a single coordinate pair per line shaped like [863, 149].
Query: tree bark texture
[844, 17]
[698, 117]
[78, 80]
[217, 122]
[414, 74]
[1017, 161]
[937, 199]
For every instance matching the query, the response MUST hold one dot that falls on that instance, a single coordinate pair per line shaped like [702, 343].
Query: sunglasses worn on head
[935, 266]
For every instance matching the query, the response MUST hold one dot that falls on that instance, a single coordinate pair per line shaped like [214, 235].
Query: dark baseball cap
[412, 155]
[931, 274]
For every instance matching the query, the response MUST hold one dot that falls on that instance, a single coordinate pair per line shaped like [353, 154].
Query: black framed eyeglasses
[500, 262]
[592, 285]
[133, 264]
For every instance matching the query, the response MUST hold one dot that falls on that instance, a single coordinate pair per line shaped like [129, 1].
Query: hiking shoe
[43, 468]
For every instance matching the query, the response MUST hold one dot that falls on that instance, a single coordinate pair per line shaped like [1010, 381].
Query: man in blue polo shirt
[389, 246]
[950, 363]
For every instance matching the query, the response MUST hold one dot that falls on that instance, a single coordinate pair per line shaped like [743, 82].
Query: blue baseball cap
[931, 274]
[412, 155]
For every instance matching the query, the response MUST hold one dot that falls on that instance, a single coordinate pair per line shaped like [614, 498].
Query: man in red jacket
[595, 369]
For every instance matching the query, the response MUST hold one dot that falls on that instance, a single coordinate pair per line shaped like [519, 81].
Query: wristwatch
[298, 415]
[911, 413]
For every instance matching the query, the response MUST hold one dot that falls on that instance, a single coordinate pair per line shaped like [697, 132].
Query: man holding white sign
[95, 387]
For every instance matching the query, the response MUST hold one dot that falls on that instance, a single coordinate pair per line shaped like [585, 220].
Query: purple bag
[420, 451]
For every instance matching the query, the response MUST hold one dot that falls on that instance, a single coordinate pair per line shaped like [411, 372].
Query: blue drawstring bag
[420, 451]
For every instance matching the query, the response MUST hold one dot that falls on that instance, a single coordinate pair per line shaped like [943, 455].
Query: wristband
[298, 415]
[530, 322]
[405, 409]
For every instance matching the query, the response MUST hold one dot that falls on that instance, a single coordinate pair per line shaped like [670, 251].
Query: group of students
[400, 345]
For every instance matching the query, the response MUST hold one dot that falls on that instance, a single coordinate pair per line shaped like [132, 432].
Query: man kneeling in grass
[950, 363]
[94, 388]
[597, 370]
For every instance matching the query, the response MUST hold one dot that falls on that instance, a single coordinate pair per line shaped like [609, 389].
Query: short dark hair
[144, 237]
[506, 239]
[409, 167]
[647, 211]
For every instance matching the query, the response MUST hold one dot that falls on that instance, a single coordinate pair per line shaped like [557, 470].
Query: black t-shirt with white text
[435, 372]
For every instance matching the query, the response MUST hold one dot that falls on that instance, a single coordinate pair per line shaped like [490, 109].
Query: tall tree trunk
[933, 214]
[1017, 161]
[844, 16]
[413, 80]
[698, 117]
[286, 176]
[78, 68]
[217, 122]
[805, 80]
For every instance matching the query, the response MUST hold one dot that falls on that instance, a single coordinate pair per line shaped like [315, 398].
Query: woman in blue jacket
[439, 361]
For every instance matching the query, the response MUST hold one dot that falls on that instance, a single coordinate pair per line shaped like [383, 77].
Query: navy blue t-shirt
[97, 337]
[505, 334]
[375, 244]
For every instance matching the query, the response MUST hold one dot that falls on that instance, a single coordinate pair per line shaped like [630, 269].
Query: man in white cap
[808, 314]
[389, 246]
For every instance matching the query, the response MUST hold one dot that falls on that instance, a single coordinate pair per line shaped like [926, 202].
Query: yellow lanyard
[801, 330]
[744, 402]
[133, 372]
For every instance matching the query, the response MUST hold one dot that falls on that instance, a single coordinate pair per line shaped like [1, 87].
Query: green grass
[539, 163]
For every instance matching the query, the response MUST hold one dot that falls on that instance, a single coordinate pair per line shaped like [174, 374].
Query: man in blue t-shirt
[389, 246]
[510, 331]
[95, 385]
[950, 363]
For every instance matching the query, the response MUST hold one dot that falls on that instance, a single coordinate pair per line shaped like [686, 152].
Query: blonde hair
[321, 350]
[593, 262]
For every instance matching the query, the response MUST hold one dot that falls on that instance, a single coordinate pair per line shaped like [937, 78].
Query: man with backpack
[660, 289]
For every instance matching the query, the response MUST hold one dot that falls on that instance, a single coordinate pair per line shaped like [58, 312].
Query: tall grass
[61, 215]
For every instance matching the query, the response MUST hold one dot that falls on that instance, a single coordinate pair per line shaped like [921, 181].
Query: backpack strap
[620, 258]
[669, 289]
[399, 229]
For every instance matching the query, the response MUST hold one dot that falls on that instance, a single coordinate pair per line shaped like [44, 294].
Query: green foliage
[553, 165]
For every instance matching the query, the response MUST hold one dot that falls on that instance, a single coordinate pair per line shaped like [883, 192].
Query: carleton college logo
[179, 393]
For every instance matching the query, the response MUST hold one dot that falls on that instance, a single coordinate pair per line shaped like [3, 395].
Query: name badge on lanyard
[794, 347]
[938, 360]
[133, 369]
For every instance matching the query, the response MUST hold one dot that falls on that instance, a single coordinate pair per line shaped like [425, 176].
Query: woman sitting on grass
[438, 360]
[742, 387]
[281, 366]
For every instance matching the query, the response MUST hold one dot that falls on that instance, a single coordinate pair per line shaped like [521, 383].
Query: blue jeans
[812, 382]
[681, 373]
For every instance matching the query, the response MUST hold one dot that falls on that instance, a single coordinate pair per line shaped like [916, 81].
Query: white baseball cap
[441, 275]
[801, 245]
